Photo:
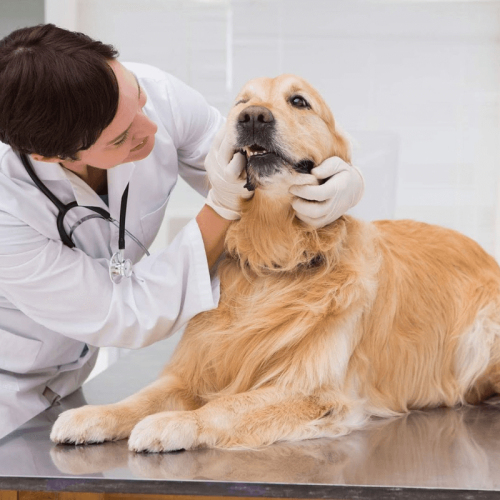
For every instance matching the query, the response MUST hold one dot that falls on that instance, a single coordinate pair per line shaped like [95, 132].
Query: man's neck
[96, 178]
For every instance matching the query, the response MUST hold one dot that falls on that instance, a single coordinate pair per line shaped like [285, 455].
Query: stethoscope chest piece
[119, 267]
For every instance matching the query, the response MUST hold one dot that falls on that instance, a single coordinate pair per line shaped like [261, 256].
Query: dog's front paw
[166, 431]
[88, 424]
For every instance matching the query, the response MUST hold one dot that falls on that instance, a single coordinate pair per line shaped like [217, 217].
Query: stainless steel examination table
[443, 454]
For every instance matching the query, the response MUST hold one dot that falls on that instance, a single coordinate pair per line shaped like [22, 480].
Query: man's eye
[122, 140]
[299, 102]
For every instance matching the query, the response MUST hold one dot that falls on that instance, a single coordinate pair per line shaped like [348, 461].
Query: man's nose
[145, 126]
[255, 118]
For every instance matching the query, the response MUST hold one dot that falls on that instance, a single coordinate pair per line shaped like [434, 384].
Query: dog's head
[284, 128]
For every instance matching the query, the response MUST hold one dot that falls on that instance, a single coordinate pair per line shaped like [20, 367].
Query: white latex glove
[333, 198]
[224, 172]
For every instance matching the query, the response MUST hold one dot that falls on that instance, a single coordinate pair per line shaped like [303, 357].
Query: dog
[316, 330]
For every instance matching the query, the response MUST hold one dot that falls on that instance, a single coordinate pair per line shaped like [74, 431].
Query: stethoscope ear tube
[123, 213]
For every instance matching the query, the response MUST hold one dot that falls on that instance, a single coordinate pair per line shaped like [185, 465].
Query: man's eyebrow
[116, 139]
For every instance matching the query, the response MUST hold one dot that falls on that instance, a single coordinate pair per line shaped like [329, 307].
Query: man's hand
[322, 204]
[224, 169]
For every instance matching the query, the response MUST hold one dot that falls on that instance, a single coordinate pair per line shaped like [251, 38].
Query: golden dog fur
[316, 330]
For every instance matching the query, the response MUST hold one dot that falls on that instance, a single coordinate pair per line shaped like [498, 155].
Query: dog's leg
[488, 383]
[486, 386]
[248, 420]
[95, 424]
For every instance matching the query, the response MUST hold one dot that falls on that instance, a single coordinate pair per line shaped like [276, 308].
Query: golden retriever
[316, 329]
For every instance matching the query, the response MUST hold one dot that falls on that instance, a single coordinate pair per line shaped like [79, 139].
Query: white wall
[16, 14]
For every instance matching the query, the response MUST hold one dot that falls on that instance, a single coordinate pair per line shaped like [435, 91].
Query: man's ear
[46, 159]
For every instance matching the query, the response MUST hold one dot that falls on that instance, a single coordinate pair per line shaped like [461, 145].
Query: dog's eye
[299, 102]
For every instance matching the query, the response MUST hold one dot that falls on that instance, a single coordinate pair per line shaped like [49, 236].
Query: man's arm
[69, 292]
[213, 230]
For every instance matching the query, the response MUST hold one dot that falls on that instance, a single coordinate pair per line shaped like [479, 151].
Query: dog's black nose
[256, 117]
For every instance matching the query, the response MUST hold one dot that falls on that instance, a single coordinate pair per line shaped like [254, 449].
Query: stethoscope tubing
[118, 263]
[111, 221]
[65, 208]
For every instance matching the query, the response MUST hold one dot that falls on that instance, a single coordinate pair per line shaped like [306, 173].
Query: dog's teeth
[253, 153]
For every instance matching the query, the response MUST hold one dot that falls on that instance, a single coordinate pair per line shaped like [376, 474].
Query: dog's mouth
[255, 149]
[263, 161]
[255, 152]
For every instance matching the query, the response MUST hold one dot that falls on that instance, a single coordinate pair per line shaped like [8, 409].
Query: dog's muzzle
[256, 129]
[257, 139]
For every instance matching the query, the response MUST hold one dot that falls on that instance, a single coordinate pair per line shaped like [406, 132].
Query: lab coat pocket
[151, 222]
[17, 354]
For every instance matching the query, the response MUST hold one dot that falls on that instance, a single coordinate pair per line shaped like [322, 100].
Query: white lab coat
[58, 305]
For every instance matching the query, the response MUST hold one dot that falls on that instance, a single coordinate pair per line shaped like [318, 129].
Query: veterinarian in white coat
[58, 304]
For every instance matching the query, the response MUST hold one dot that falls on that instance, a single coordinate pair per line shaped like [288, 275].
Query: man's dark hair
[57, 91]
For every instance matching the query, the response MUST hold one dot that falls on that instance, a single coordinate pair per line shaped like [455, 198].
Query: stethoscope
[119, 267]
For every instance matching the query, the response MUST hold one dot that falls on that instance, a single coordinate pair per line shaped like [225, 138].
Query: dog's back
[434, 327]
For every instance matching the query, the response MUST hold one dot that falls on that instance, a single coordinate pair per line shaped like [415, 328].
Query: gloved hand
[224, 171]
[339, 193]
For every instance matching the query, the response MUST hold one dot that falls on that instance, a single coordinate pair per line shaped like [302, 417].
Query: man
[89, 127]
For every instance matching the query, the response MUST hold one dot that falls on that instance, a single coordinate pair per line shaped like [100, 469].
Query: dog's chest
[272, 308]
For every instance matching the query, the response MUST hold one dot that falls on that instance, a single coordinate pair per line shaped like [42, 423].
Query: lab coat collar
[82, 192]
[118, 178]
[47, 171]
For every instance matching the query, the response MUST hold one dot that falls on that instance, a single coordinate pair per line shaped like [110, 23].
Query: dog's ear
[341, 144]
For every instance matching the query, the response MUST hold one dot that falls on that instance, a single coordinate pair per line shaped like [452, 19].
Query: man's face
[129, 137]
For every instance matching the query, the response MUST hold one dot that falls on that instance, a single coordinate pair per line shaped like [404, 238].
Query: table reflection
[444, 447]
